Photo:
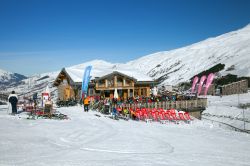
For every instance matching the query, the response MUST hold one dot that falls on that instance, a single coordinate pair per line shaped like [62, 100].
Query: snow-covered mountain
[170, 67]
[33, 84]
[179, 65]
[175, 66]
[9, 78]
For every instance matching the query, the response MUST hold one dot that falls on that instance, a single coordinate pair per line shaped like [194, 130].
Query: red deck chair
[173, 114]
[160, 109]
[150, 114]
[154, 109]
[148, 109]
[181, 116]
[138, 115]
[141, 114]
[187, 116]
[147, 116]
[145, 113]
[155, 115]
[162, 117]
[168, 117]
[137, 109]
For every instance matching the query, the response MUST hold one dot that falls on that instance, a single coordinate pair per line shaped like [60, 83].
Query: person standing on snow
[13, 99]
[114, 113]
[86, 104]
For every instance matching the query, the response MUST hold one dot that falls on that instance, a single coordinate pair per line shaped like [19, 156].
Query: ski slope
[89, 140]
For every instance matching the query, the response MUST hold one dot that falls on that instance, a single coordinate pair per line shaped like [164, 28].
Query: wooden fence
[183, 104]
[235, 88]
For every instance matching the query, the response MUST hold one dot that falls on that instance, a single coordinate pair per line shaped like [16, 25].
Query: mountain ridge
[9, 78]
[179, 65]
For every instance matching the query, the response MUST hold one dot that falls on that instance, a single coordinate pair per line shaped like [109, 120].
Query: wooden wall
[235, 88]
[65, 92]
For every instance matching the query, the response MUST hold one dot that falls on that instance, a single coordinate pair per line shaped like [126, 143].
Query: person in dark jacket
[13, 99]
[114, 113]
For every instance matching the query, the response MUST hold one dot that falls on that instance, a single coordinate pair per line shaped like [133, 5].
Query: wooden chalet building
[69, 84]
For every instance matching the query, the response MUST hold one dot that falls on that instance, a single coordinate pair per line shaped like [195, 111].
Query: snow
[5, 76]
[101, 68]
[181, 64]
[86, 139]
[226, 110]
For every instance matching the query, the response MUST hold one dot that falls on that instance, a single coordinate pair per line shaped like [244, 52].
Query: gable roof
[115, 73]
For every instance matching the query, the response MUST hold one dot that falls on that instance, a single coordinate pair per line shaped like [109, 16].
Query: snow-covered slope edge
[181, 64]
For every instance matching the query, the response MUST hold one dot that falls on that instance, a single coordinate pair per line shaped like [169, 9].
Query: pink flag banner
[203, 78]
[210, 79]
[195, 81]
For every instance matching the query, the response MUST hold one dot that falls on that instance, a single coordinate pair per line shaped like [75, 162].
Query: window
[101, 83]
[119, 81]
[128, 82]
[144, 91]
[110, 82]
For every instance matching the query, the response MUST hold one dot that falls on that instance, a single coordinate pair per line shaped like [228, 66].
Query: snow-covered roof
[101, 68]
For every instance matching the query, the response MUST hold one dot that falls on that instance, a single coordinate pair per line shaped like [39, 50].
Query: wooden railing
[183, 104]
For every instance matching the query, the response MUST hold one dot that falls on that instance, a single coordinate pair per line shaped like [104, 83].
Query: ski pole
[8, 108]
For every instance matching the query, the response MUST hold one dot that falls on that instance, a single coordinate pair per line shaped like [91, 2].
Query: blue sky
[45, 35]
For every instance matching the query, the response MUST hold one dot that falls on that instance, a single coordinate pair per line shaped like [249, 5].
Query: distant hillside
[179, 65]
[9, 79]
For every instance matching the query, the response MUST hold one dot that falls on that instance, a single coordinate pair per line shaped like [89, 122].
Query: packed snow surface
[226, 109]
[86, 139]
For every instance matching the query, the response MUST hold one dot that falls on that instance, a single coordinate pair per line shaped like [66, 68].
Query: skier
[13, 99]
[86, 104]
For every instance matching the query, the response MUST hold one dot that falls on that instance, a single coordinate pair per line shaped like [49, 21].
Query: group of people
[142, 99]
[120, 111]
